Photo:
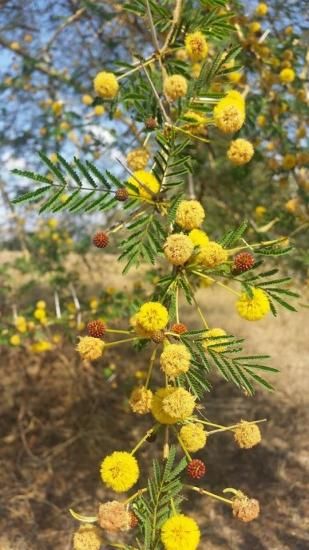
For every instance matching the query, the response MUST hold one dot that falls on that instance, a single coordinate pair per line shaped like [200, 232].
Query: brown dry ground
[59, 417]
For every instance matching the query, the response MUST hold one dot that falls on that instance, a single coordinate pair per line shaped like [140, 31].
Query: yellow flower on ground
[15, 340]
[212, 340]
[21, 324]
[152, 316]
[178, 404]
[178, 248]
[140, 400]
[41, 304]
[40, 314]
[190, 214]
[247, 435]
[253, 308]
[212, 255]
[99, 110]
[87, 99]
[106, 85]
[180, 532]
[138, 159]
[196, 46]
[193, 436]
[240, 151]
[41, 346]
[261, 9]
[199, 237]
[229, 113]
[145, 184]
[287, 76]
[175, 360]
[120, 471]
[90, 348]
[175, 87]
[88, 537]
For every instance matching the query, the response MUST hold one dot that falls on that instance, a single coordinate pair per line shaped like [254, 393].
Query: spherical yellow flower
[196, 70]
[261, 9]
[255, 26]
[292, 205]
[152, 316]
[229, 113]
[140, 331]
[255, 307]
[193, 436]
[212, 340]
[196, 46]
[261, 120]
[57, 107]
[99, 110]
[180, 532]
[41, 304]
[157, 406]
[41, 346]
[87, 99]
[106, 85]
[289, 161]
[175, 360]
[114, 516]
[15, 340]
[287, 76]
[138, 159]
[245, 508]
[120, 471]
[145, 184]
[198, 237]
[240, 151]
[212, 255]
[88, 537]
[40, 314]
[260, 211]
[140, 400]
[190, 214]
[247, 435]
[178, 248]
[90, 348]
[181, 54]
[21, 324]
[175, 86]
[179, 404]
[15, 46]
[196, 123]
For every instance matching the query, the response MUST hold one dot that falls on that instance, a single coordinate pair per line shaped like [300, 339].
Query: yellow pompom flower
[179, 404]
[180, 532]
[175, 360]
[21, 324]
[196, 46]
[261, 120]
[289, 161]
[99, 110]
[178, 248]
[138, 159]
[229, 113]
[152, 316]
[190, 214]
[57, 107]
[120, 471]
[198, 237]
[157, 406]
[40, 314]
[88, 537]
[255, 26]
[287, 76]
[212, 340]
[41, 304]
[90, 348]
[15, 46]
[196, 123]
[212, 255]
[247, 435]
[240, 151]
[87, 99]
[175, 87]
[145, 184]
[140, 400]
[193, 436]
[41, 346]
[261, 9]
[15, 340]
[255, 307]
[106, 85]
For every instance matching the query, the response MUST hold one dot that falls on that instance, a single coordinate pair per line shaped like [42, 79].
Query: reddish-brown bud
[242, 262]
[96, 328]
[100, 239]
[121, 194]
[179, 328]
[196, 469]
[133, 520]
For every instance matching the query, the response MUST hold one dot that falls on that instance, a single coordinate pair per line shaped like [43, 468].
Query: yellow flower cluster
[261, 9]
[87, 99]
[289, 161]
[211, 255]
[88, 537]
[40, 311]
[180, 532]
[190, 214]
[247, 435]
[170, 405]
[175, 360]
[15, 340]
[229, 113]
[193, 436]
[152, 316]
[240, 151]
[198, 237]
[120, 471]
[21, 324]
[287, 75]
[196, 46]
[178, 248]
[213, 340]
[253, 308]
[106, 85]
[175, 87]
[138, 159]
[145, 184]
[196, 123]
[140, 400]
[90, 348]
[41, 346]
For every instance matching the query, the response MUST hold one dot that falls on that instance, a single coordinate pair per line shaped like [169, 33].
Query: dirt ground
[59, 417]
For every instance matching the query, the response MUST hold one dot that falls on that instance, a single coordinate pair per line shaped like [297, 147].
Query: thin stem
[157, 96]
[137, 67]
[152, 360]
[136, 495]
[182, 445]
[216, 282]
[208, 493]
[175, 21]
[178, 129]
[117, 331]
[177, 304]
[152, 27]
[118, 342]
[147, 434]
[173, 507]
[227, 428]
[256, 245]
